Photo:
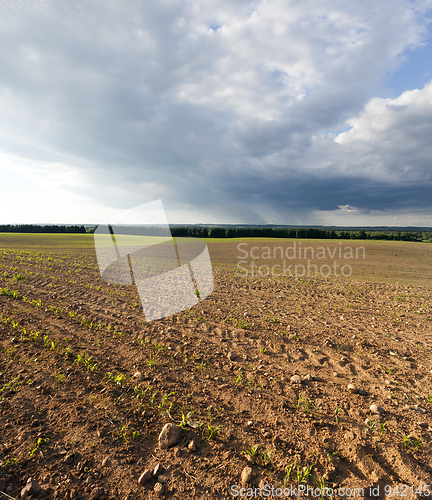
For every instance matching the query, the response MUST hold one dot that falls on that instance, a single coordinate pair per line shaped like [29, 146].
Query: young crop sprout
[267, 458]
[213, 431]
[408, 440]
[185, 419]
[288, 470]
[322, 487]
[253, 451]
[303, 474]
[371, 424]
[306, 405]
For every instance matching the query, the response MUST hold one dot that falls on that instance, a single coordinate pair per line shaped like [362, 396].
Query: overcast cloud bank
[255, 112]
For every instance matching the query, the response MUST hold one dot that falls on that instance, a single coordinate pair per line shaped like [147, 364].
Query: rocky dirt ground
[269, 383]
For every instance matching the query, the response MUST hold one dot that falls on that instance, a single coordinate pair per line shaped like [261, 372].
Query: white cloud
[392, 136]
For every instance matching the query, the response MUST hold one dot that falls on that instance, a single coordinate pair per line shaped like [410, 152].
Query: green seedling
[12, 386]
[241, 324]
[253, 451]
[120, 380]
[388, 371]
[335, 414]
[200, 427]
[299, 403]
[209, 413]
[5, 292]
[371, 423]
[323, 488]
[165, 399]
[303, 474]
[267, 457]
[288, 470]
[152, 363]
[140, 393]
[408, 440]
[9, 462]
[123, 432]
[213, 431]
[306, 405]
[37, 448]
[159, 347]
[382, 428]
[271, 319]
[185, 419]
[152, 399]
[333, 455]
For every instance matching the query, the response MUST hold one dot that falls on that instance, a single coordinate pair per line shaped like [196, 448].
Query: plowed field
[86, 384]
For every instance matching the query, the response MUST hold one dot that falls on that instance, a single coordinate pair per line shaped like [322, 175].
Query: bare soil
[86, 384]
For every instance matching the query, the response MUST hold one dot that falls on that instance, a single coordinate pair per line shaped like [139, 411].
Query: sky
[247, 112]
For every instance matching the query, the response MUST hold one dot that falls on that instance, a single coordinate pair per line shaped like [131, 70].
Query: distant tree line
[30, 228]
[259, 232]
[242, 232]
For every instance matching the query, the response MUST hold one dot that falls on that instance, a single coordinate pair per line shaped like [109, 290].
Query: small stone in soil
[158, 489]
[158, 470]
[376, 409]
[353, 389]
[170, 435]
[296, 379]
[246, 475]
[419, 409]
[145, 477]
[192, 446]
[31, 488]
